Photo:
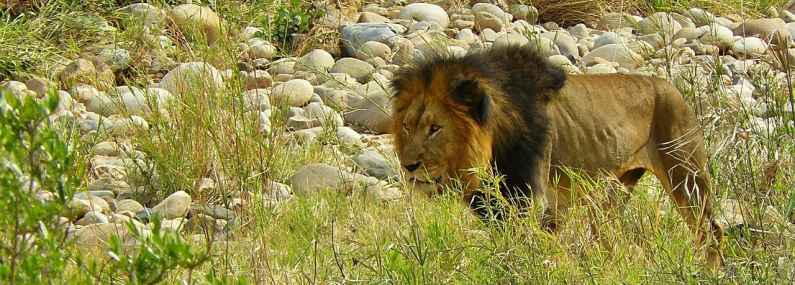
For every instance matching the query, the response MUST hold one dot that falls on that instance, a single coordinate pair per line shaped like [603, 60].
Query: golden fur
[508, 110]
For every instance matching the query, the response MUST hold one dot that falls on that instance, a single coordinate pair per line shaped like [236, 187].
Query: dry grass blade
[566, 13]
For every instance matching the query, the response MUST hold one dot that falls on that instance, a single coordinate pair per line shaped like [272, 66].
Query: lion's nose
[413, 166]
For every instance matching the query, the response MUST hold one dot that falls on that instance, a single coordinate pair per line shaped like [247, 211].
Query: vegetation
[352, 237]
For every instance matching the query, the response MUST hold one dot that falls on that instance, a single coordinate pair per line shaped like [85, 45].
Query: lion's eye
[434, 129]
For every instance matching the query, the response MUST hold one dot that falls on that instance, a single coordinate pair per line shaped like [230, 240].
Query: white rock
[259, 48]
[660, 22]
[197, 20]
[349, 137]
[133, 100]
[316, 59]
[250, 32]
[750, 46]
[425, 12]
[192, 77]
[324, 114]
[490, 16]
[616, 53]
[92, 217]
[256, 99]
[356, 68]
[717, 35]
[128, 205]
[295, 92]
[174, 206]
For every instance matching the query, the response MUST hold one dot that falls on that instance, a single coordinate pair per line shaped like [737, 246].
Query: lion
[509, 110]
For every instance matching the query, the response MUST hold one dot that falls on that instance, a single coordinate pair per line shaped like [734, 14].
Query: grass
[334, 237]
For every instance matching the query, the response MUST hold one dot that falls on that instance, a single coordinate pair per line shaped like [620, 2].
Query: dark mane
[524, 82]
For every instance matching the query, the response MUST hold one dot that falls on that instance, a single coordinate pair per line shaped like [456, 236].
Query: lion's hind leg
[688, 185]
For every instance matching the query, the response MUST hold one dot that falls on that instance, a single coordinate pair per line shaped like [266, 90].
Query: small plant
[37, 179]
[157, 254]
[292, 17]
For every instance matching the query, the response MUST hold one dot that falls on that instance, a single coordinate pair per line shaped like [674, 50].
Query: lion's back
[602, 121]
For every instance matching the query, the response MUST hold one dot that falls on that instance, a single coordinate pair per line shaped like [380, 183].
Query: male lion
[510, 110]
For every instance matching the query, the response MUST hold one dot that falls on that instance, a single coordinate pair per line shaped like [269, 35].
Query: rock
[65, 102]
[717, 35]
[319, 177]
[197, 21]
[607, 38]
[250, 32]
[750, 46]
[701, 17]
[559, 60]
[372, 113]
[425, 12]
[217, 212]
[689, 34]
[258, 79]
[614, 21]
[543, 46]
[116, 58]
[370, 17]
[295, 92]
[77, 208]
[316, 59]
[133, 100]
[565, 43]
[127, 125]
[282, 66]
[174, 206]
[348, 136]
[510, 39]
[730, 214]
[106, 149]
[192, 76]
[660, 22]
[17, 88]
[763, 28]
[259, 48]
[489, 16]
[101, 104]
[98, 235]
[256, 100]
[173, 225]
[616, 53]
[92, 217]
[128, 205]
[601, 68]
[115, 186]
[374, 164]
[146, 14]
[356, 68]
[86, 72]
[307, 136]
[467, 36]
[374, 49]
[39, 85]
[353, 36]
[94, 204]
[323, 114]
[524, 12]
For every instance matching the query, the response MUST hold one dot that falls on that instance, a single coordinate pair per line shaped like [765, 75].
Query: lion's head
[450, 113]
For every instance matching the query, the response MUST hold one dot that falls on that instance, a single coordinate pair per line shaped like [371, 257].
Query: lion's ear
[553, 79]
[470, 94]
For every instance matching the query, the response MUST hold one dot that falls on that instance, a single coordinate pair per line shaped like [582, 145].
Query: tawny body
[507, 109]
[635, 125]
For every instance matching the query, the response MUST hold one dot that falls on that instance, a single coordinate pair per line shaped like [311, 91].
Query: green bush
[35, 159]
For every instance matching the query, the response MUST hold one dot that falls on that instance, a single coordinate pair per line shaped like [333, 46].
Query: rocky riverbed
[344, 92]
